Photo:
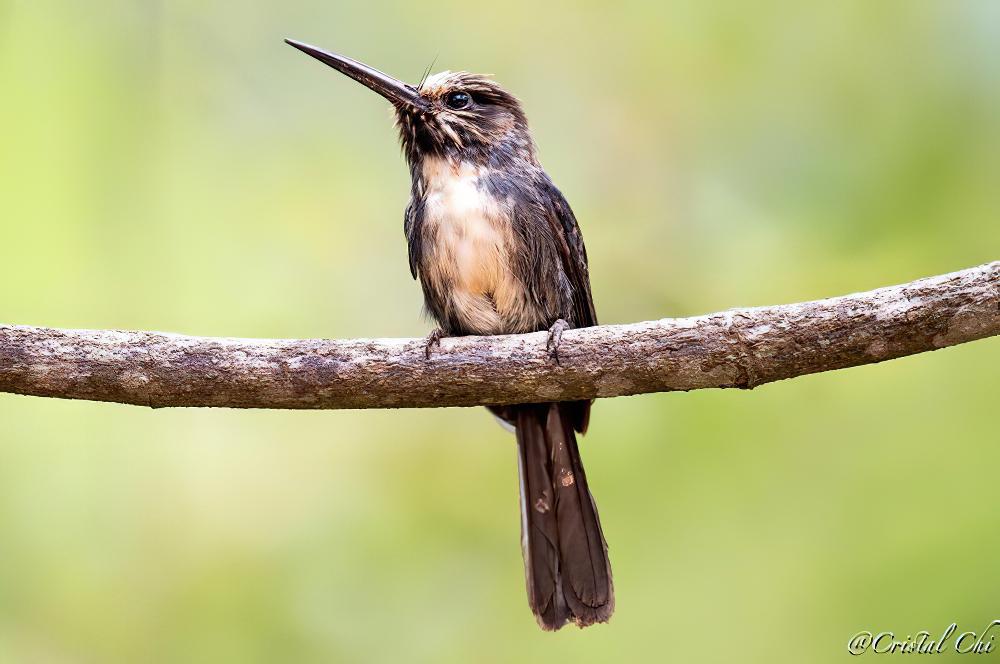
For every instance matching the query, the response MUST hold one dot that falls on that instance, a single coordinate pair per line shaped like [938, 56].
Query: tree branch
[740, 348]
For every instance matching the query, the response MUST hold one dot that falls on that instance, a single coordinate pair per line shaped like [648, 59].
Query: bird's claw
[555, 338]
[433, 339]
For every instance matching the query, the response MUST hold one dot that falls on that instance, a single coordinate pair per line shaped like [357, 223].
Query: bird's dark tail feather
[566, 563]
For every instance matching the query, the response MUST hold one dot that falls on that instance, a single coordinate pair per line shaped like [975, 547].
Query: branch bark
[741, 348]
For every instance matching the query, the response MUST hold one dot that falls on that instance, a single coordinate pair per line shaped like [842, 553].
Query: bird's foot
[555, 338]
[433, 339]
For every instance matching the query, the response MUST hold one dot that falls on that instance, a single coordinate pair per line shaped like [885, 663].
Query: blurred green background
[174, 166]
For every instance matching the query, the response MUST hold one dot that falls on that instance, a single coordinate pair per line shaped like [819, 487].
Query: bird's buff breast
[467, 243]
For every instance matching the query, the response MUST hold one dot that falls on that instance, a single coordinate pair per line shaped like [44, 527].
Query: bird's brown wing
[574, 260]
[411, 228]
[574, 256]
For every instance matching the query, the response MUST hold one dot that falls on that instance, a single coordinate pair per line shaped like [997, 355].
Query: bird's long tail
[566, 563]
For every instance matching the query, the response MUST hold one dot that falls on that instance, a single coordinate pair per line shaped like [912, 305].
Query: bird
[497, 250]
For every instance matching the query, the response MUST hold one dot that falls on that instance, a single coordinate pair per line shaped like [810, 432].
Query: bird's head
[456, 115]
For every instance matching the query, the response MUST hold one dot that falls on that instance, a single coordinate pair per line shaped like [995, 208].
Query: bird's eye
[458, 100]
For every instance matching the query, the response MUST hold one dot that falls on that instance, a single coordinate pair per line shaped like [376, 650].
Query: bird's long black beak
[397, 92]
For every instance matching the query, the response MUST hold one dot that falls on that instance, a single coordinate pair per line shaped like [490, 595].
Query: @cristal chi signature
[971, 642]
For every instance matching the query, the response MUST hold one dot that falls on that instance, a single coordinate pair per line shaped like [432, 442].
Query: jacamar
[497, 250]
